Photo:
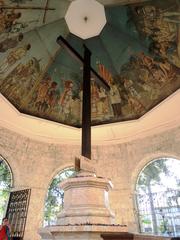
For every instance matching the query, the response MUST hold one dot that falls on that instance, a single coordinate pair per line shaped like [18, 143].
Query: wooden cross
[86, 110]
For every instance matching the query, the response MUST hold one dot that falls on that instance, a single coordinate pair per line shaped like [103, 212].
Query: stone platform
[82, 232]
[86, 214]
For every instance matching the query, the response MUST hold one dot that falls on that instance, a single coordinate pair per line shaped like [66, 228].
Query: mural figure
[113, 104]
[156, 24]
[65, 100]
[7, 19]
[116, 101]
[94, 99]
[10, 43]
[147, 84]
[14, 56]
[20, 81]
[18, 27]
[174, 18]
[162, 71]
[103, 106]
[136, 106]
[50, 99]
[128, 84]
[42, 92]
[104, 73]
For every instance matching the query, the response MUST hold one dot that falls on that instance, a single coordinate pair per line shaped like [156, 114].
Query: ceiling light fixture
[85, 18]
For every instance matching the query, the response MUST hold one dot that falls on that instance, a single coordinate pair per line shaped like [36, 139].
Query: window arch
[158, 197]
[5, 185]
[55, 197]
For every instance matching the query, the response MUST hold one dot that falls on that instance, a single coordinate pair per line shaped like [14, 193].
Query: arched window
[55, 197]
[158, 197]
[5, 185]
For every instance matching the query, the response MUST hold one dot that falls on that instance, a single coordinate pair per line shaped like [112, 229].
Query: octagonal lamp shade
[85, 18]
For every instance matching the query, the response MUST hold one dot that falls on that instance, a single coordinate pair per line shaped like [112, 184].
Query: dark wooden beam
[98, 79]
[86, 108]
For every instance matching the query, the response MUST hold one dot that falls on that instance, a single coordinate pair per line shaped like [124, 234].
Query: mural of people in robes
[18, 83]
[116, 100]
[42, 92]
[65, 100]
[139, 59]
[7, 19]
[13, 56]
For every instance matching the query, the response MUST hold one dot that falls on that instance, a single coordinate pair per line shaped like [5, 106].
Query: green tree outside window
[55, 197]
[5, 185]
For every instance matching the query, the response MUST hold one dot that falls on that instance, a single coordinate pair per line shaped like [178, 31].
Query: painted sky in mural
[137, 53]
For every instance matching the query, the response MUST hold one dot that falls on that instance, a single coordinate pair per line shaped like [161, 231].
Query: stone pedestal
[86, 213]
[86, 201]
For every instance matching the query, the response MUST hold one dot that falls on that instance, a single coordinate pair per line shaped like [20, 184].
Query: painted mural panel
[24, 15]
[137, 53]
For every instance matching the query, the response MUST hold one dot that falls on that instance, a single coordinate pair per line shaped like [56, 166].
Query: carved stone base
[86, 213]
[82, 232]
[86, 200]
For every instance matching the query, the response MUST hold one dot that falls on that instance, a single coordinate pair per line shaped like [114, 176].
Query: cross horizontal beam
[98, 79]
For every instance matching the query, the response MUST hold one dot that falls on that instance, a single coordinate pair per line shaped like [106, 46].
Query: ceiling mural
[137, 53]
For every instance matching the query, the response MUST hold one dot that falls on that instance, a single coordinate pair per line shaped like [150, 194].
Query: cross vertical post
[86, 108]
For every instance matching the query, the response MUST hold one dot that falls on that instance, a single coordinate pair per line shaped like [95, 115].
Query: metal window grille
[159, 212]
[17, 210]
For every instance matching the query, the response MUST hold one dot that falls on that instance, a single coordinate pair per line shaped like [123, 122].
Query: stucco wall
[35, 163]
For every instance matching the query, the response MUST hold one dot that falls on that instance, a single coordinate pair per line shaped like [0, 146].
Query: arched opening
[5, 185]
[158, 197]
[55, 197]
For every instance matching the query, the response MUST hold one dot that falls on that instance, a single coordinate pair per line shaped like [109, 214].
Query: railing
[17, 212]
[159, 213]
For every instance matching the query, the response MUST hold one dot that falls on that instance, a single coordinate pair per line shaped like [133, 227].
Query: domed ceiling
[137, 53]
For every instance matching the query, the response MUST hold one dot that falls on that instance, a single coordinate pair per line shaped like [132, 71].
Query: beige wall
[35, 163]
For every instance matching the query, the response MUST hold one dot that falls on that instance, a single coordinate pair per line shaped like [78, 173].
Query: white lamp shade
[85, 18]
